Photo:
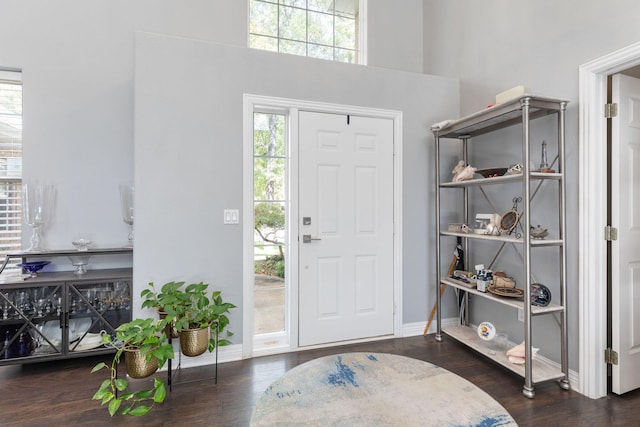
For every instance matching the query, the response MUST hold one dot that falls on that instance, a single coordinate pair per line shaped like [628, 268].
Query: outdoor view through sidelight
[269, 205]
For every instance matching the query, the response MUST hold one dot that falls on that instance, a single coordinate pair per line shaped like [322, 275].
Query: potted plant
[194, 316]
[146, 349]
[169, 295]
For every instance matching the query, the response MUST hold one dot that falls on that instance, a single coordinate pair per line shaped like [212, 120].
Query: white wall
[497, 44]
[77, 59]
[394, 34]
[188, 153]
[78, 64]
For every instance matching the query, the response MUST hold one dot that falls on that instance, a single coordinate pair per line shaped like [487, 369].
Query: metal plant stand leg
[178, 369]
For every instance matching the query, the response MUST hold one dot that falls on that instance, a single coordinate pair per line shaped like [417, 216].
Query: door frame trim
[592, 268]
[250, 103]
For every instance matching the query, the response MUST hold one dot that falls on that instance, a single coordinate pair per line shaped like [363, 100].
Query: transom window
[326, 29]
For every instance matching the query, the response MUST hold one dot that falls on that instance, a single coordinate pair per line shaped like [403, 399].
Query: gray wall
[497, 44]
[77, 59]
[78, 62]
[188, 153]
[394, 34]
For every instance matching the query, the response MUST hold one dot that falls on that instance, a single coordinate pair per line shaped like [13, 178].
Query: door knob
[306, 238]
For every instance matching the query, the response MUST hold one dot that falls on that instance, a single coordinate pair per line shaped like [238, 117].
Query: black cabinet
[61, 314]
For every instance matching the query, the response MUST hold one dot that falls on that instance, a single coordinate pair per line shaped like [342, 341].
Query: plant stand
[178, 369]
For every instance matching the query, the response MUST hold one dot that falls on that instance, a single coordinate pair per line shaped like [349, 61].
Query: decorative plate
[486, 331]
[491, 172]
[508, 221]
[506, 291]
[34, 267]
[84, 347]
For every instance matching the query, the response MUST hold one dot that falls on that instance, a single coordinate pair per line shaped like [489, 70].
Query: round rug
[375, 389]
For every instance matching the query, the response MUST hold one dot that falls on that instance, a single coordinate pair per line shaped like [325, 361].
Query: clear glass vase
[37, 200]
[127, 193]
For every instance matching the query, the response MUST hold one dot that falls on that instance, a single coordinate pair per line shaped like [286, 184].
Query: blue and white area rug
[375, 389]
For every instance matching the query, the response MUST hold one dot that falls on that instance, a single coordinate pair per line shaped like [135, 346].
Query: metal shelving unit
[520, 111]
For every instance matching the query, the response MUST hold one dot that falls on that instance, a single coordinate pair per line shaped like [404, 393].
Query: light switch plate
[231, 216]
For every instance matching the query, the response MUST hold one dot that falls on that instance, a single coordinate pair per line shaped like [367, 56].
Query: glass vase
[127, 193]
[37, 200]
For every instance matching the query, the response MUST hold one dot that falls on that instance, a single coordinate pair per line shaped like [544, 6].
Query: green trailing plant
[147, 336]
[198, 308]
[168, 295]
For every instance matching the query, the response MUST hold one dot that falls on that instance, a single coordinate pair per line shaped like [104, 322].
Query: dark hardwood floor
[59, 393]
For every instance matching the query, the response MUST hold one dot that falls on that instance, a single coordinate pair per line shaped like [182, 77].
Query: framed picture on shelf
[481, 224]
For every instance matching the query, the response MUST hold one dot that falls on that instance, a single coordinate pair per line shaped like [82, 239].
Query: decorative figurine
[544, 162]
[538, 232]
[494, 226]
[462, 172]
[514, 169]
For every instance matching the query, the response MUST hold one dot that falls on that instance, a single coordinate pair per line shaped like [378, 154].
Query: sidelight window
[269, 205]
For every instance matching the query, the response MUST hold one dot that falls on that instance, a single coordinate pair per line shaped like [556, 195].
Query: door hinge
[610, 357]
[610, 233]
[610, 110]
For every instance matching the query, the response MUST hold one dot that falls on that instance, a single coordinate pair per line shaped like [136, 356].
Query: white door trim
[251, 102]
[592, 271]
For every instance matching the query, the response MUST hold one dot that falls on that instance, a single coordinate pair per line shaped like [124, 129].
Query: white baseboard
[227, 353]
[233, 352]
[417, 328]
[574, 377]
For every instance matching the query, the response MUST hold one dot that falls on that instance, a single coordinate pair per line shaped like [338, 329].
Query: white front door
[625, 209]
[346, 209]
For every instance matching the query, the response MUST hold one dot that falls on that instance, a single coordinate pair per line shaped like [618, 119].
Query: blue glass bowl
[34, 266]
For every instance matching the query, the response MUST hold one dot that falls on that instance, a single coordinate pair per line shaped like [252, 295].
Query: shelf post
[564, 383]
[437, 212]
[465, 208]
[526, 237]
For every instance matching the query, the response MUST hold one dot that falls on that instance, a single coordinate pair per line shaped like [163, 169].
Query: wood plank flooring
[59, 393]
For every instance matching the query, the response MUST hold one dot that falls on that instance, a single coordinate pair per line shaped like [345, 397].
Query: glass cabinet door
[93, 308]
[31, 320]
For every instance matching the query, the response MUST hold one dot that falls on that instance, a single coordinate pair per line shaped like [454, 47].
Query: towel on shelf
[442, 124]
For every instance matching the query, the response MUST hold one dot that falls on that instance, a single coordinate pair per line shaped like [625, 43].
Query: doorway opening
[623, 132]
[257, 113]
[593, 215]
